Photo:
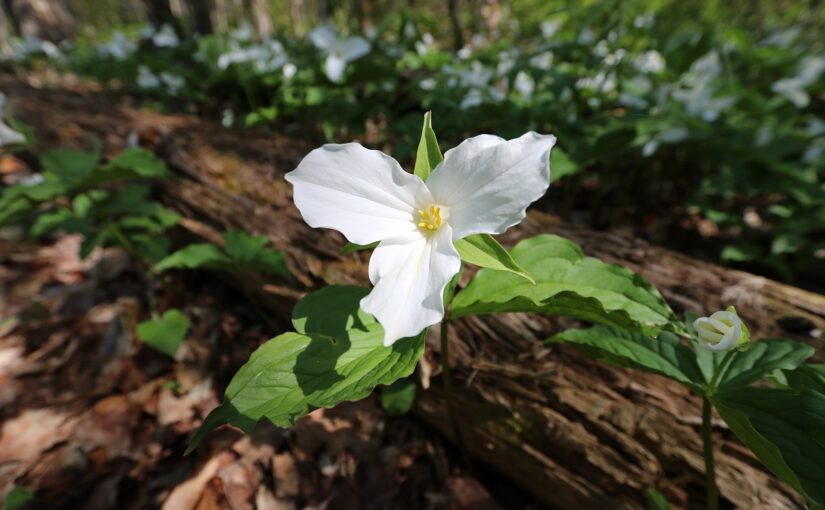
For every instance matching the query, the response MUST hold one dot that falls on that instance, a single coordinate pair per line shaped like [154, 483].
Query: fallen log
[568, 430]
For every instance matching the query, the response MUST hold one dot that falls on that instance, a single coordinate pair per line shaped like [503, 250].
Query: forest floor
[93, 419]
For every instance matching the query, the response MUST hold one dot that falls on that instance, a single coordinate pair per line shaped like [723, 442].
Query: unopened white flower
[166, 37]
[339, 51]
[483, 186]
[722, 331]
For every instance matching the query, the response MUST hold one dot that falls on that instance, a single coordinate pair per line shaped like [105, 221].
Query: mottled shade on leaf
[336, 355]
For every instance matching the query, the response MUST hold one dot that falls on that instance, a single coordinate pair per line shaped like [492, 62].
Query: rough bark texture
[48, 20]
[569, 430]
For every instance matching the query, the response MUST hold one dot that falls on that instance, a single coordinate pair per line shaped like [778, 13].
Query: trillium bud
[722, 331]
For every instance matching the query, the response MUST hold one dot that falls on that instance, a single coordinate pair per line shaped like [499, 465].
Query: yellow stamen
[430, 219]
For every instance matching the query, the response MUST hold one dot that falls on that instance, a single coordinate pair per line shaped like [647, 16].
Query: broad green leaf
[398, 398]
[665, 355]
[70, 167]
[808, 376]
[165, 333]
[786, 431]
[331, 310]
[760, 359]
[656, 500]
[484, 251]
[17, 498]
[352, 247]
[429, 155]
[294, 373]
[194, 256]
[133, 163]
[567, 283]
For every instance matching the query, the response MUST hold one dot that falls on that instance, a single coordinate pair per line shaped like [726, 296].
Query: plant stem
[710, 470]
[720, 370]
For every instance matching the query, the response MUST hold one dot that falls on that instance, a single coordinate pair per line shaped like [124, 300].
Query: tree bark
[202, 16]
[160, 13]
[455, 23]
[47, 20]
[571, 431]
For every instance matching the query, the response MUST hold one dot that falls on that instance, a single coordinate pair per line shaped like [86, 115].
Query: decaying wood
[567, 429]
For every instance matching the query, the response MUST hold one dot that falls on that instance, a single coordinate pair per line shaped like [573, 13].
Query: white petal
[335, 66]
[362, 193]
[410, 275]
[9, 136]
[323, 37]
[488, 182]
[354, 48]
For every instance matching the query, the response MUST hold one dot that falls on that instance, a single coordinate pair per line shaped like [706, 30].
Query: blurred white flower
[243, 33]
[339, 51]
[697, 91]
[794, 89]
[118, 47]
[783, 38]
[722, 331]
[174, 83]
[146, 79]
[427, 84]
[644, 21]
[267, 56]
[650, 61]
[602, 82]
[542, 61]
[166, 37]
[8, 136]
[586, 36]
[524, 84]
[549, 28]
[425, 45]
[228, 118]
[465, 53]
[289, 70]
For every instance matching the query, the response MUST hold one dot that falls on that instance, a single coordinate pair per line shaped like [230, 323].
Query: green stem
[710, 470]
[721, 370]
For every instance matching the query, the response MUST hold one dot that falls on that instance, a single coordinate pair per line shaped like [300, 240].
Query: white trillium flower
[166, 37]
[119, 47]
[339, 51]
[794, 88]
[146, 79]
[722, 331]
[483, 186]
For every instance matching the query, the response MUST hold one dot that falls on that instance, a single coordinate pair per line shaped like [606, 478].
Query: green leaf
[429, 155]
[166, 333]
[337, 355]
[398, 398]
[567, 283]
[760, 359]
[656, 500]
[562, 165]
[808, 376]
[352, 247]
[249, 252]
[786, 431]
[665, 355]
[484, 251]
[17, 498]
[70, 167]
[195, 256]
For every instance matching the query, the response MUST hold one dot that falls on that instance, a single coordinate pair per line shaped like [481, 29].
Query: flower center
[430, 220]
